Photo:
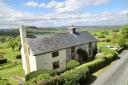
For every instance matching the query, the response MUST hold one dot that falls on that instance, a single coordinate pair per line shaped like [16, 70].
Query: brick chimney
[72, 29]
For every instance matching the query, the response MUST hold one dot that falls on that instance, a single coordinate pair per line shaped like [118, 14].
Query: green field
[13, 68]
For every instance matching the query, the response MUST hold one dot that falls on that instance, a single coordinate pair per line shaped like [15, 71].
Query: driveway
[117, 74]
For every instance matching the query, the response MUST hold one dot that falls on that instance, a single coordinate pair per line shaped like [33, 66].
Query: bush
[95, 65]
[18, 56]
[108, 40]
[38, 79]
[53, 81]
[109, 51]
[101, 36]
[110, 57]
[72, 77]
[2, 59]
[72, 64]
[100, 55]
[36, 73]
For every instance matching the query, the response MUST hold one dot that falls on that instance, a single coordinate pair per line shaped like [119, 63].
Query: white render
[45, 61]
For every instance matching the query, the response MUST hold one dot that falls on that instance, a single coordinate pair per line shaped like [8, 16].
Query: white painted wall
[33, 62]
[45, 61]
[23, 61]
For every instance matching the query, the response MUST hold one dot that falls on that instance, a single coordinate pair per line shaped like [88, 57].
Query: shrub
[53, 81]
[101, 36]
[2, 59]
[39, 78]
[109, 51]
[100, 55]
[110, 57]
[72, 64]
[108, 40]
[18, 56]
[95, 65]
[36, 73]
[72, 77]
[83, 54]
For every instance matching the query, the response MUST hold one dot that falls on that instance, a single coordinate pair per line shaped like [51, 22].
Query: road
[117, 74]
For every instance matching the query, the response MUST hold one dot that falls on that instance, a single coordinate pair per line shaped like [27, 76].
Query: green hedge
[100, 55]
[72, 64]
[38, 79]
[109, 51]
[72, 77]
[36, 73]
[95, 65]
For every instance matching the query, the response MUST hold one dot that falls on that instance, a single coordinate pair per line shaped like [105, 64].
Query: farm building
[55, 50]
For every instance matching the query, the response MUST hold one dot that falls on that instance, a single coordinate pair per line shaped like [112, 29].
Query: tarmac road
[117, 74]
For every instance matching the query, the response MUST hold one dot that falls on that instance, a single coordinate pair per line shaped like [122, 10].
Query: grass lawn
[10, 69]
[8, 52]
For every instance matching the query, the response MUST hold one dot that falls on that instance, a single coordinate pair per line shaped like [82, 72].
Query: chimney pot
[72, 29]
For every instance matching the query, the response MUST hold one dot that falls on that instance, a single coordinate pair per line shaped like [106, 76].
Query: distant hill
[63, 28]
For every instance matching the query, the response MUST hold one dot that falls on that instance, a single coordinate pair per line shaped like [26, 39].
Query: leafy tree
[2, 39]
[82, 55]
[104, 32]
[101, 36]
[12, 44]
[123, 39]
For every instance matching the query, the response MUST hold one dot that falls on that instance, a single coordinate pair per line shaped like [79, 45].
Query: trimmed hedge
[72, 77]
[34, 74]
[95, 65]
[100, 55]
[109, 51]
[38, 79]
[72, 64]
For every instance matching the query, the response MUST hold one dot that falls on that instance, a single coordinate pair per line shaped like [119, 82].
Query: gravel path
[117, 74]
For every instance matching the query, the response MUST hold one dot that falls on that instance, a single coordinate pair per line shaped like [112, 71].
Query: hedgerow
[72, 77]
[72, 64]
[34, 74]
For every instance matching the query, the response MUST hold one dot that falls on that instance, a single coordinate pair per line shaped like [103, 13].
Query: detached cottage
[54, 51]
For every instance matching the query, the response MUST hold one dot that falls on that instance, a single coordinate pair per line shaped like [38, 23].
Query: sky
[54, 13]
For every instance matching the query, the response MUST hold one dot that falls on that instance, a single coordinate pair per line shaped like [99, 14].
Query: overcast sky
[45, 13]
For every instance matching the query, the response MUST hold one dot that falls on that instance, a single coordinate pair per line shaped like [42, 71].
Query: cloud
[32, 4]
[10, 18]
[67, 5]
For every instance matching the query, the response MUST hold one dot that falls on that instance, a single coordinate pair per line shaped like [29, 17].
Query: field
[12, 70]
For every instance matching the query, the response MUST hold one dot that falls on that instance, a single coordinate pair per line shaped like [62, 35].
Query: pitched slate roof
[58, 41]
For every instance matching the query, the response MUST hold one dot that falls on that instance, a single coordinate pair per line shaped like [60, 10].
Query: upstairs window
[55, 54]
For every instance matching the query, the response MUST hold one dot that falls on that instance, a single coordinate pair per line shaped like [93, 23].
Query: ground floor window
[55, 64]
